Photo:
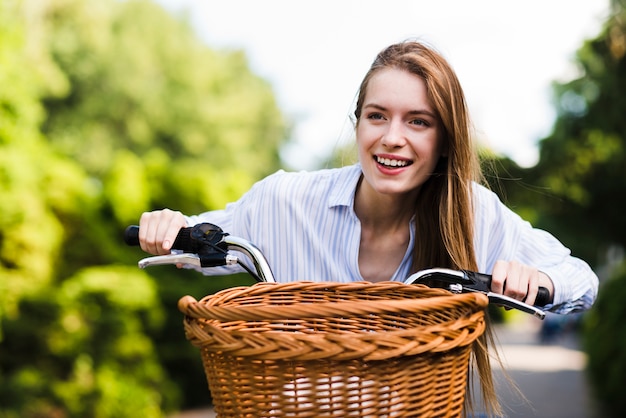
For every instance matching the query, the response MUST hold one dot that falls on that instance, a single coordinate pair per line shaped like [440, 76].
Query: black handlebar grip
[543, 297]
[182, 242]
[131, 235]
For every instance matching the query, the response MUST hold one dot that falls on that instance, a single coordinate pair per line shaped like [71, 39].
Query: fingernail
[166, 245]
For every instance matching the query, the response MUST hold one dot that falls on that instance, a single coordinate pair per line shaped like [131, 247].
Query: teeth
[391, 163]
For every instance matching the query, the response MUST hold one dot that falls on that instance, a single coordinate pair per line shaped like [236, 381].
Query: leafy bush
[604, 338]
[81, 350]
[109, 109]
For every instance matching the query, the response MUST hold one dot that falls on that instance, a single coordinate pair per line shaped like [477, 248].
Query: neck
[383, 212]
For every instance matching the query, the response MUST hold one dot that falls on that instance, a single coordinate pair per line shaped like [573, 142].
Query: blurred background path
[549, 373]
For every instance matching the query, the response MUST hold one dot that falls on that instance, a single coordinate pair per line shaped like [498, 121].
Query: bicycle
[326, 349]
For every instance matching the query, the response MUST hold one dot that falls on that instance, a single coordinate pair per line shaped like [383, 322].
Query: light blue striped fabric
[305, 225]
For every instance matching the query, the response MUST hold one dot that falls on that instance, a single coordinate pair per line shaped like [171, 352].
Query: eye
[375, 116]
[419, 122]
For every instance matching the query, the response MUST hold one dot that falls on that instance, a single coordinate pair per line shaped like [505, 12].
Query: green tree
[575, 189]
[108, 109]
[155, 117]
[42, 373]
[202, 124]
[30, 233]
[604, 341]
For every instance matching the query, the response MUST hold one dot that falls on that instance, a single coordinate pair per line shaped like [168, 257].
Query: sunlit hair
[444, 216]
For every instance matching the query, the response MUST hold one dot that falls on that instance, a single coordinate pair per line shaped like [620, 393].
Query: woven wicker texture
[322, 349]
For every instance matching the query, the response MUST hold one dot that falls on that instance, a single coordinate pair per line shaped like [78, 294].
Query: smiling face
[397, 133]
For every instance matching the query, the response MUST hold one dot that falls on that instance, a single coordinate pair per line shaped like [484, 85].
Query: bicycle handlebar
[461, 281]
[206, 245]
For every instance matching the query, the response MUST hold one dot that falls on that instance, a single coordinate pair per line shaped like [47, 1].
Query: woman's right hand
[158, 230]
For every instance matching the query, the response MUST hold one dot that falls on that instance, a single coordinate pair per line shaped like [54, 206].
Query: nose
[394, 136]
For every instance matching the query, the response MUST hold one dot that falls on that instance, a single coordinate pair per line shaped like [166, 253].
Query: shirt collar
[344, 186]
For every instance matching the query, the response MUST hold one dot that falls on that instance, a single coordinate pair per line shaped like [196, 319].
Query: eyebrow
[411, 112]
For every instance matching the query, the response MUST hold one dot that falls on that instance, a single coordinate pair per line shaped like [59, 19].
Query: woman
[412, 202]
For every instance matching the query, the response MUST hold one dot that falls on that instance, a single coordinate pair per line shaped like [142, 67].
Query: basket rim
[260, 329]
[192, 308]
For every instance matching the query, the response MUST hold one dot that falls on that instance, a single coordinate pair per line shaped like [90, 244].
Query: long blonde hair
[444, 218]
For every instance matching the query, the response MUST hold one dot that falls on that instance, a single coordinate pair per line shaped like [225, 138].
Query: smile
[392, 163]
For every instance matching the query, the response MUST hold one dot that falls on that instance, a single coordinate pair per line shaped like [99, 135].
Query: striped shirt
[305, 225]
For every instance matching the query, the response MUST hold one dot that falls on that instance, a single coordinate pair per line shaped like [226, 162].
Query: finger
[176, 221]
[533, 286]
[147, 232]
[166, 226]
[516, 284]
[543, 280]
[498, 276]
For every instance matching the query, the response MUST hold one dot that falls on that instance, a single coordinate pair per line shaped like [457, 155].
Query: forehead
[395, 87]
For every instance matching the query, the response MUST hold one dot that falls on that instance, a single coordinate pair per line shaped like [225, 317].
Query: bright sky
[315, 54]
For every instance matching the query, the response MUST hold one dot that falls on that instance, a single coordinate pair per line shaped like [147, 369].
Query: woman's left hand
[519, 281]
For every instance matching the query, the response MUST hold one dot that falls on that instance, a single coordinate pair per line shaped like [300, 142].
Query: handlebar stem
[262, 267]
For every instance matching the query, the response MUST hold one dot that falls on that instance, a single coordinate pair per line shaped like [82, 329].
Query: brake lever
[202, 245]
[183, 258]
[463, 281]
[206, 245]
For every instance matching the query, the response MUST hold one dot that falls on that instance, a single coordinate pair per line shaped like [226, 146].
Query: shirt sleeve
[501, 234]
[232, 219]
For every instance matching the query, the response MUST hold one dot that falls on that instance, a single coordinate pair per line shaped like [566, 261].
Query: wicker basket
[320, 349]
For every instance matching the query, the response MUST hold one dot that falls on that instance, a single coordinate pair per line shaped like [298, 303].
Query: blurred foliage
[604, 342]
[576, 192]
[108, 109]
[146, 96]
